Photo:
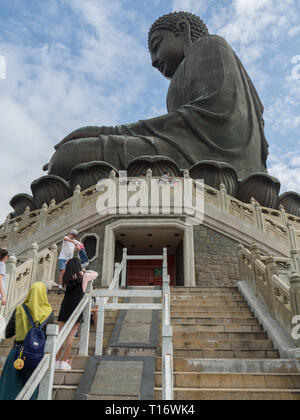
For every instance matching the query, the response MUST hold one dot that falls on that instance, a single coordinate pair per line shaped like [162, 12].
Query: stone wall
[216, 258]
[97, 264]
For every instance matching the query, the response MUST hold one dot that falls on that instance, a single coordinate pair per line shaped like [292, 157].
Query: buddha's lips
[161, 66]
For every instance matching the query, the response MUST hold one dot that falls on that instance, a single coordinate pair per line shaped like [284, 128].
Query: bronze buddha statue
[214, 111]
[214, 126]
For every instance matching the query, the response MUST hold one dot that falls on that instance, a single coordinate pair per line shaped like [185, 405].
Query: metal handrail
[44, 373]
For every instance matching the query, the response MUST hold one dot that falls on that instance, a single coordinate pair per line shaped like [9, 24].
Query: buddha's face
[167, 51]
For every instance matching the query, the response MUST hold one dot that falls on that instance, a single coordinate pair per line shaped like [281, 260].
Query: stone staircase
[221, 351]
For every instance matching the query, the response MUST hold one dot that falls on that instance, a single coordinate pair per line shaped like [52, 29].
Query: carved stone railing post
[149, 185]
[271, 270]
[296, 260]
[295, 297]
[25, 217]
[12, 236]
[43, 218]
[33, 253]
[113, 175]
[6, 224]
[75, 201]
[10, 277]
[283, 215]
[258, 216]
[241, 250]
[292, 236]
[224, 198]
[255, 255]
[53, 249]
[52, 204]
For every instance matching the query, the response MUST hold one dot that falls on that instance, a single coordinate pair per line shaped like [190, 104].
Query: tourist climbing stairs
[222, 352]
[66, 382]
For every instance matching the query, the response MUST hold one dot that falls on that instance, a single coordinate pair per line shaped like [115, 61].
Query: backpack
[33, 349]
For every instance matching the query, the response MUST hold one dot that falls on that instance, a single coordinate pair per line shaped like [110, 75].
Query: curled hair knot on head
[170, 23]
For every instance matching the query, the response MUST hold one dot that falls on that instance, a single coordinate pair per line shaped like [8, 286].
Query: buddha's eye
[156, 44]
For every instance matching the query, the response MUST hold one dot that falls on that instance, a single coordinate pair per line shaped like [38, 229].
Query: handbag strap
[28, 315]
[40, 326]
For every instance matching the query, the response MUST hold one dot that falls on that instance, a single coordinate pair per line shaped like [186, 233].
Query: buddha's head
[170, 39]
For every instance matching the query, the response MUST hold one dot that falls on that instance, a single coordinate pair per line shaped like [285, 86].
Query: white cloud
[50, 91]
[285, 165]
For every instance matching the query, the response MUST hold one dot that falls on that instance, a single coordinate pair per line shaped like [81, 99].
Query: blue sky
[71, 63]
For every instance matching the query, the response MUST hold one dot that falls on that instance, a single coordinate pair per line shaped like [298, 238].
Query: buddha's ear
[184, 29]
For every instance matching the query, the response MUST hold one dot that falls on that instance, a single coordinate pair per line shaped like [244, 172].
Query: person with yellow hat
[12, 380]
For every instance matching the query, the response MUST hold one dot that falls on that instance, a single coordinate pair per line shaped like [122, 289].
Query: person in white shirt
[3, 260]
[69, 246]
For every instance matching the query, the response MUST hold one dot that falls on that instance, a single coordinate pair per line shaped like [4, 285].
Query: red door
[149, 272]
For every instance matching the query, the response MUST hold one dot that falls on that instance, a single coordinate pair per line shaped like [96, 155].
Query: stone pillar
[241, 250]
[75, 200]
[255, 255]
[295, 297]
[271, 270]
[6, 224]
[12, 236]
[10, 276]
[258, 216]
[43, 218]
[283, 215]
[149, 185]
[26, 214]
[296, 260]
[292, 236]
[33, 253]
[53, 249]
[224, 198]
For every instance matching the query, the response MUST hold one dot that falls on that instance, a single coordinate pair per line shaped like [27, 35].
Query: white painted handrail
[168, 373]
[35, 379]
[44, 373]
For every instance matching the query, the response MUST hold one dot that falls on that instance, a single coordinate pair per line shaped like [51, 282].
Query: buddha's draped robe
[214, 113]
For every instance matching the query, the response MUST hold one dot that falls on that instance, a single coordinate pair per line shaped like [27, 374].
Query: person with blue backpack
[28, 325]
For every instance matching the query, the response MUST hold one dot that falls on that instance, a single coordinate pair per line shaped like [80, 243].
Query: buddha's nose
[155, 62]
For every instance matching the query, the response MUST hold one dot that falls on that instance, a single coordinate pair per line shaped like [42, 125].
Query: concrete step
[254, 366]
[215, 313]
[64, 392]
[186, 299]
[224, 344]
[224, 353]
[182, 289]
[208, 295]
[214, 320]
[210, 309]
[232, 394]
[113, 398]
[228, 328]
[219, 336]
[208, 303]
[71, 377]
[232, 380]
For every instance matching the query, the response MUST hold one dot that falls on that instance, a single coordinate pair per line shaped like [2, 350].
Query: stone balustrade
[18, 233]
[39, 266]
[281, 297]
